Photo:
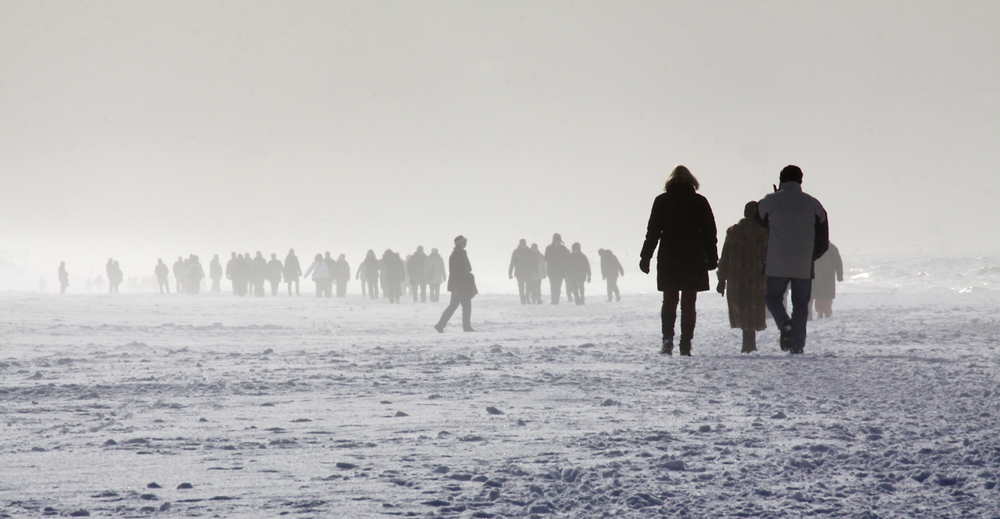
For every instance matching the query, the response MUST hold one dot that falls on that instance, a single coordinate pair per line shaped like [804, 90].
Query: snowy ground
[325, 407]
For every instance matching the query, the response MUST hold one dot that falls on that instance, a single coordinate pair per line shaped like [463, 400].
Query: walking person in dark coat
[435, 274]
[194, 274]
[292, 271]
[258, 274]
[611, 268]
[829, 270]
[180, 269]
[540, 272]
[274, 271]
[63, 277]
[522, 266]
[369, 272]
[415, 270]
[215, 273]
[799, 233]
[162, 275]
[556, 258]
[394, 272]
[230, 271]
[577, 272]
[462, 285]
[683, 225]
[342, 275]
[331, 268]
[741, 273]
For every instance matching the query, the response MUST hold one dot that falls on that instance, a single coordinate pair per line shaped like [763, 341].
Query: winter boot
[667, 323]
[687, 333]
[749, 341]
[786, 339]
[668, 346]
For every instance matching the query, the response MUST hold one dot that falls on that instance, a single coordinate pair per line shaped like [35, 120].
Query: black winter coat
[461, 279]
[683, 225]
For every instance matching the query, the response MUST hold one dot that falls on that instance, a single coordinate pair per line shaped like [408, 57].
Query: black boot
[687, 333]
[667, 325]
[668, 346]
[749, 341]
[786, 340]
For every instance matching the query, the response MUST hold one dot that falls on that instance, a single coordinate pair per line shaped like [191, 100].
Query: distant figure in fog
[274, 271]
[63, 277]
[99, 282]
[319, 274]
[342, 275]
[230, 270]
[109, 269]
[611, 268]
[179, 270]
[241, 275]
[557, 258]
[215, 273]
[195, 273]
[292, 271]
[682, 224]
[416, 268]
[370, 268]
[540, 272]
[741, 272]
[799, 234]
[829, 270]
[331, 268]
[577, 273]
[462, 285]
[394, 272]
[363, 276]
[258, 273]
[522, 266]
[115, 277]
[435, 274]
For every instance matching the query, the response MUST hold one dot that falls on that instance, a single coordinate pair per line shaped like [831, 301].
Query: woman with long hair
[682, 224]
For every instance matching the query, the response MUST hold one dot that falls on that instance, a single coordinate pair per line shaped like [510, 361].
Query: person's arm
[654, 231]
[840, 265]
[510, 269]
[822, 241]
[711, 237]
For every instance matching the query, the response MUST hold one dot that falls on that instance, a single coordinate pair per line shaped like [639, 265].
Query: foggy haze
[157, 129]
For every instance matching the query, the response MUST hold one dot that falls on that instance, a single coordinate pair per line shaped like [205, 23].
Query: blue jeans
[775, 300]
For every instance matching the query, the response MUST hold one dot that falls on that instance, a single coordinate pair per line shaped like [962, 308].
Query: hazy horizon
[159, 129]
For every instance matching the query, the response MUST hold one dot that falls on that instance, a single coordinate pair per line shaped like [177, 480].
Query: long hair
[681, 175]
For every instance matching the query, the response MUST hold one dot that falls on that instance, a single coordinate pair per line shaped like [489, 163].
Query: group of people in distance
[558, 263]
[418, 272]
[776, 244]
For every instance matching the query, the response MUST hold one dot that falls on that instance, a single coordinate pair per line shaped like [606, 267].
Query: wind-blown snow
[348, 407]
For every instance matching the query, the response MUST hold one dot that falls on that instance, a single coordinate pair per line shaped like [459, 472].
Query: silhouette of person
[331, 269]
[63, 277]
[118, 277]
[258, 271]
[195, 273]
[370, 267]
[682, 224]
[179, 271]
[462, 285]
[319, 274]
[435, 274]
[363, 276]
[611, 268]
[109, 269]
[162, 274]
[829, 270]
[522, 266]
[342, 275]
[799, 233]
[292, 271]
[231, 269]
[556, 259]
[741, 273]
[416, 268]
[540, 273]
[394, 273]
[274, 271]
[241, 272]
[577, 272]
[215, 273]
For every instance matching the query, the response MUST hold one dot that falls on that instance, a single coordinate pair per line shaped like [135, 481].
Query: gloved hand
[644, 265]
[721, 287]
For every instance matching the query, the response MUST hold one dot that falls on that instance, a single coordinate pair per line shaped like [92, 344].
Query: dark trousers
[457, 298]
[215, 286]
[435, 293]
[535, 291]
[342, 288]
[328, 288]
[524, 289]
[775, 300]
[296, 281]
[423, 291]
[555, 287]
[668, 313]
[613, 288]
[274, 288]
[164, 285]
[372, 287]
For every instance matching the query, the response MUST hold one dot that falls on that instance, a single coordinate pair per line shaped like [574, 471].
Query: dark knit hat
[791, 174]
[750, 209]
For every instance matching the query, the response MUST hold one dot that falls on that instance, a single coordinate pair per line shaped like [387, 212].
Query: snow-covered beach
[356, 408]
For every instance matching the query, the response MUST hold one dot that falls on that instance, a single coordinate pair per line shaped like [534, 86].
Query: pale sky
[139, 130]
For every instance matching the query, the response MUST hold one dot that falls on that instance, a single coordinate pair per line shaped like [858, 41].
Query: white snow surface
[356, 408]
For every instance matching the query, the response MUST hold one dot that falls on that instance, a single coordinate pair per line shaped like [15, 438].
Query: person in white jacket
[320, 274]
[435, 274]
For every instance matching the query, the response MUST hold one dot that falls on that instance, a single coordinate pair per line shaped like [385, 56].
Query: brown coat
[742, 267]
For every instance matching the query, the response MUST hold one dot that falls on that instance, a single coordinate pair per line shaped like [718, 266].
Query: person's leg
[413, 290]
[774, 299]
[522, 291]
[297, 286]
[554, 288]
[668, 316]
[446, 315]
[749, 341]
[801, 290]
[467, 314]
[688, 319]
[614, 286]
[824, 306]
[582, 291]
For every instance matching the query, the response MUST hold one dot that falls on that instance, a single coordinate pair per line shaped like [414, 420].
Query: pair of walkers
[681, 223]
